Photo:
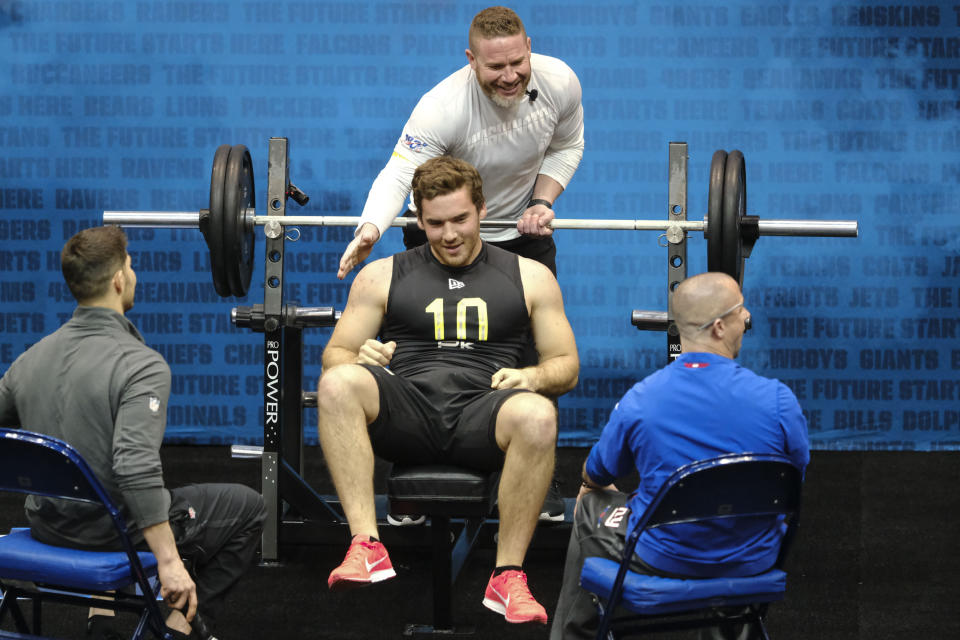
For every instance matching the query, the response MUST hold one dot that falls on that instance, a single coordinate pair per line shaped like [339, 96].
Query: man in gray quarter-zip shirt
[94, 384]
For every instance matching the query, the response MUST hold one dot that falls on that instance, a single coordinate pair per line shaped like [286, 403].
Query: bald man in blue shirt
[700, 406]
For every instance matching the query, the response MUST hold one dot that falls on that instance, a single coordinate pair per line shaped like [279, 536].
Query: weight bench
[444, 492]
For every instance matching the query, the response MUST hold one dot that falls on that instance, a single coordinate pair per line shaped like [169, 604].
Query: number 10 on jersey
[436, 308]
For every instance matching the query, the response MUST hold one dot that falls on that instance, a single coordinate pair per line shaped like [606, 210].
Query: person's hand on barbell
[536, 220]
[377, 353]
[359, 248]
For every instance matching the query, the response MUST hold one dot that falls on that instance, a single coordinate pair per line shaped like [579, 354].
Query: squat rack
[228, 228]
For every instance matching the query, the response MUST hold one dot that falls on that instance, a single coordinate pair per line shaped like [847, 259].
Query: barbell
[228, 225]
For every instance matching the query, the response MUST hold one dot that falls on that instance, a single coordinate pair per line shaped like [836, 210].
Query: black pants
[217, 528]
[576, 614]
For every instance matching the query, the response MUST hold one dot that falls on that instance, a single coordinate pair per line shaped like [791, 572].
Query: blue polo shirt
[700, 406]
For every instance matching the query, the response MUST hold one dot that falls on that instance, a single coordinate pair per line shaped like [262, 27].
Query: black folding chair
[729, 486]
[36, 464]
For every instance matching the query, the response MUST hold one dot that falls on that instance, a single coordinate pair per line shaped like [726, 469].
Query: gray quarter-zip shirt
[94, 384]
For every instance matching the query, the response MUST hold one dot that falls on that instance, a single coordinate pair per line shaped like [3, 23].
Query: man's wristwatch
[536, 201]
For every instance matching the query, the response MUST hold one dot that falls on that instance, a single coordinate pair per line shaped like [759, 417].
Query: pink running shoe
[509, 595]
[366, 562]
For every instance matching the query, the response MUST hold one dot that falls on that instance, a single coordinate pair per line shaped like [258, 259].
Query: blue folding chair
[729, 486]
[36, 464]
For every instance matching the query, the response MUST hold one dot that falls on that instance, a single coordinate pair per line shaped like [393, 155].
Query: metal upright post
[274, 407]
[677, 251]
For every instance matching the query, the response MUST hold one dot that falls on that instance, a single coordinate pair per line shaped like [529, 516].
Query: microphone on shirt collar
[533, 93]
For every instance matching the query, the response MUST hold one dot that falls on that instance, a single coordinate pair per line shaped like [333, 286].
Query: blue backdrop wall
[843, 110]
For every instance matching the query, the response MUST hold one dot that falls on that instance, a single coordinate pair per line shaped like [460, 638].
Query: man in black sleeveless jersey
[443, 383]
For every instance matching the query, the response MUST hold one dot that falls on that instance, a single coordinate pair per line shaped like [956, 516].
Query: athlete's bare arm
[354, 338]
[559, 366]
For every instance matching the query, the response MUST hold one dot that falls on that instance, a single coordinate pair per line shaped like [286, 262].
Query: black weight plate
[734, 208]
[214, 236]
[715, 211]
[237, 238]
[248, 244]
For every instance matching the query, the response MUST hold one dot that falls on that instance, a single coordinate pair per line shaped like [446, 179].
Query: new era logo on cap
[455, 284]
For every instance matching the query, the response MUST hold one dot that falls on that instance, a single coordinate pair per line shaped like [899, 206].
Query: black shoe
[554, 506]
[173, 634]
[200, 629]
[101, 628]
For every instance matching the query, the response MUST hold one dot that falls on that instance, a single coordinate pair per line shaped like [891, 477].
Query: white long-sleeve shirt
[509, 146]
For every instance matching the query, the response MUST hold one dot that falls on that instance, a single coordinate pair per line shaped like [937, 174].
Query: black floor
[877, 558]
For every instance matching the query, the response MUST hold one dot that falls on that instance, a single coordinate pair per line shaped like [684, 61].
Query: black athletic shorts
[447, 415]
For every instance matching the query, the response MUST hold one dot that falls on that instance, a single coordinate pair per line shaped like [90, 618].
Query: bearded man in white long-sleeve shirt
[515, 115]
